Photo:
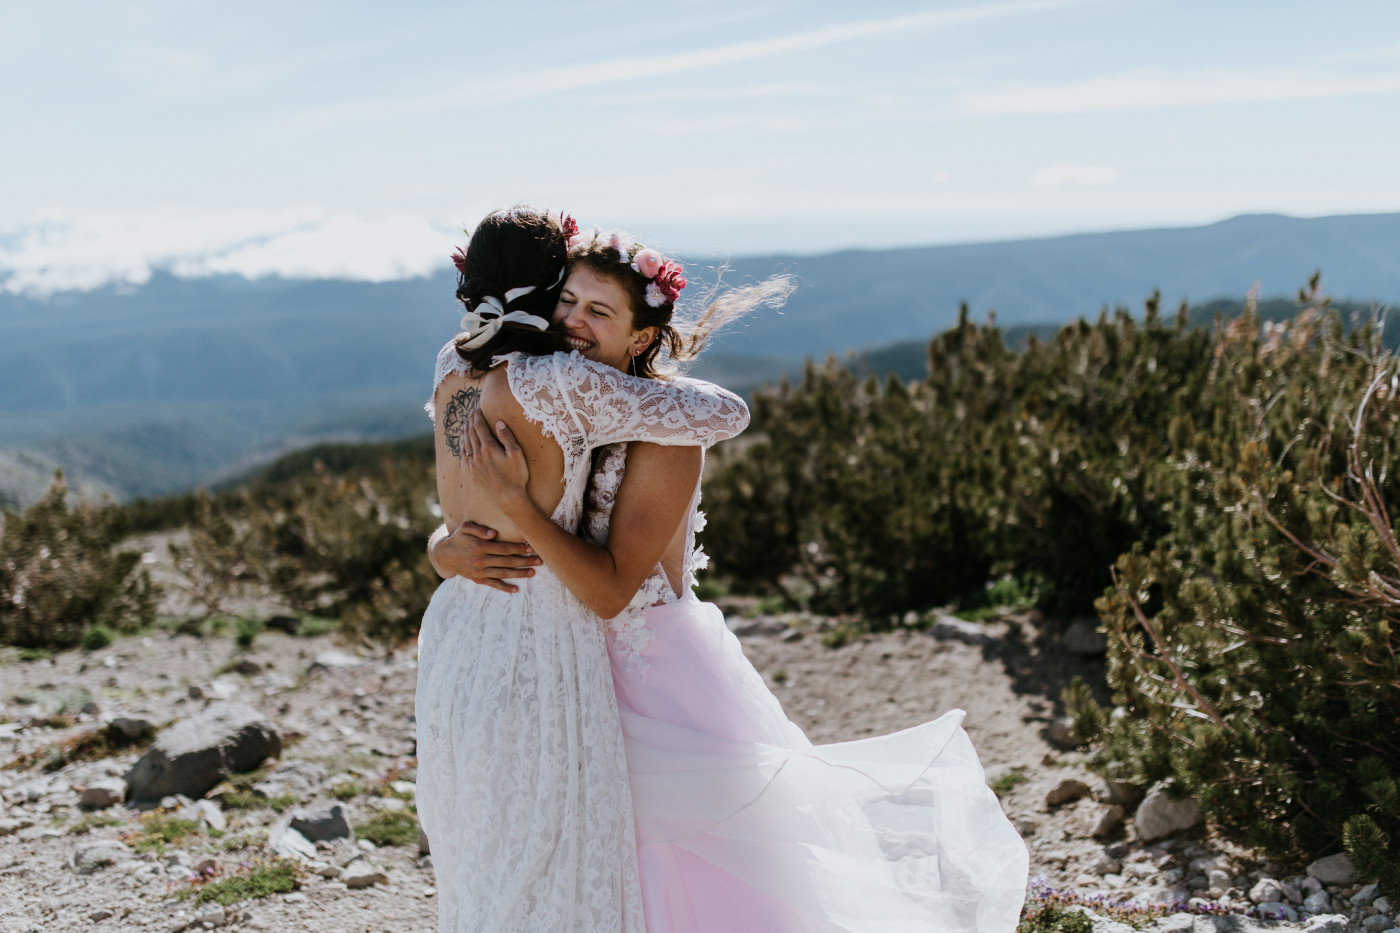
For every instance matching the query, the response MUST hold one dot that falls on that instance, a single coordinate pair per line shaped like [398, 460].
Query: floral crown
[666, 275]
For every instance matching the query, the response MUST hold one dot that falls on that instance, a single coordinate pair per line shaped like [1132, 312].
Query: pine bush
[64, 577]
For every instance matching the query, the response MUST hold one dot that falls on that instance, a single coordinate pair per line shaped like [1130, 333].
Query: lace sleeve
[606, 406]
[448, 361]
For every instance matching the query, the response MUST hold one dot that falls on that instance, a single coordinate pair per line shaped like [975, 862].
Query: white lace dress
[744, 826]
[522, 782]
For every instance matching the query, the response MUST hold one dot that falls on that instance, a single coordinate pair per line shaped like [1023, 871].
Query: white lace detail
[522, 779]
[631, 633]
[448, 361]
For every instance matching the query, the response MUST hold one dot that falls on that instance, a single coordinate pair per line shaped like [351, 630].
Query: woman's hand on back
[472, 552]
[497, 465]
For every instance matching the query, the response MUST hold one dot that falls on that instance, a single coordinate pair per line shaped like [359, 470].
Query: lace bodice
[629, 627]
[581, 405]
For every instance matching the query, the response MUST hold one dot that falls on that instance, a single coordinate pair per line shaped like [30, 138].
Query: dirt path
[349, 718]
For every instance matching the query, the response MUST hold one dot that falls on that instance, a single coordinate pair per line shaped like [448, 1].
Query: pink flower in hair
[647, 263]
[670, 281]
[459, 259]
[570, 226]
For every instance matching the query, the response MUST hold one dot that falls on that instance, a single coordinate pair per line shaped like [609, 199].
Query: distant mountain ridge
[147, 390]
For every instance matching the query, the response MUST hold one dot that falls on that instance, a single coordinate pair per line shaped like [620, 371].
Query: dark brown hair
[681, 339]
[510, 249]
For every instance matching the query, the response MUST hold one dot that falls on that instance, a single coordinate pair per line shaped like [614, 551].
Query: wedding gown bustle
[522, 783]
[744, 826]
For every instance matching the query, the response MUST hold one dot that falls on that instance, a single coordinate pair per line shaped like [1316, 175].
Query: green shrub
[62, 573]
[1254, 650]
[97, 638]
[390, 828]
[324, 544]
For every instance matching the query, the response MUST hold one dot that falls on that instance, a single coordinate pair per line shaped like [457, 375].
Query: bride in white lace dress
[742, 824]
[522, 783]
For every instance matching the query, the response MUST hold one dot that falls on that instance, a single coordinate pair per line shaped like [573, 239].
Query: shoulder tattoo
[455, 416]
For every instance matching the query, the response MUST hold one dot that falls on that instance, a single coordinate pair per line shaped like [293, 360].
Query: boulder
[1066, 791]
[295, 778]
[102, 793]
[1083, 638]
[361, 874]
[1121, 793]
[1319, 903]
[1327, 923]
[1107, 822]
[1160, 815]
[1334, 869]
[1266, 890]
[195, 754]
[1366, 896]
[289, 843]
[323, 823]
[1277, 910]
[1377, 923]
[94, 855]
[131, 728]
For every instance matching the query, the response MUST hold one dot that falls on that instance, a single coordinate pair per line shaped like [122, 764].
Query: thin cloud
[526, 84]
[1067, 174]
[80, 253]
[1154, 89]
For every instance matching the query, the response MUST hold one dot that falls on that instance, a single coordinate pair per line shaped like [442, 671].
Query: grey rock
[1326, 923]
[1334, 869]
[758, 625]
[790, 634]
[1366, 895]
[1107, 822]
[1276, 910]
[211, 914]
[1318, 903]
[1084, 639]
[295, 778]
[1382, 904]
[336, 658]
[206, 812]
[361, 874]
[195, 754]
[90, 708]
[94, 855]
[102, 793]
[1159, 815]
[1292, 893]
[131, 728]
[1219, 881]
[1118, 792]
[289, 843]
[1377, 923]
[423, 848]
[1266, 890]
[1310, 886]
[951, 628]
[1067, 791]
[1106, 864]
[323, 823]
[1060, 733]
[1026, 825]
[331, 871]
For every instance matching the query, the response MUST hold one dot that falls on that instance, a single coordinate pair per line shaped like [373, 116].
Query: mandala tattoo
[455, 417]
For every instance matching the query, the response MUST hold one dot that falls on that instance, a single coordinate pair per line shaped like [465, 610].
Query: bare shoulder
[458, 396]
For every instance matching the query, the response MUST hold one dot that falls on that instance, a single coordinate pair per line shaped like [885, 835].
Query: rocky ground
[330, 734]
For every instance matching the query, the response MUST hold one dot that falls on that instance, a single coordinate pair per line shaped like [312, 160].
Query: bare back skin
[457, 397]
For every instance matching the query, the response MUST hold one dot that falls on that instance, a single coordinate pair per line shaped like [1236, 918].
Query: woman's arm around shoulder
[607, 406]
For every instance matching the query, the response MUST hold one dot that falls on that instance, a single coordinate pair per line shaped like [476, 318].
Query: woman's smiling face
[595, 314]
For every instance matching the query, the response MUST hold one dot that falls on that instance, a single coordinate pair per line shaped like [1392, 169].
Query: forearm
[439, 535]
[589, 571]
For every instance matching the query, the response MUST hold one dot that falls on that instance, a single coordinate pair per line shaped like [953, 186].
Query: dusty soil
[350, 716]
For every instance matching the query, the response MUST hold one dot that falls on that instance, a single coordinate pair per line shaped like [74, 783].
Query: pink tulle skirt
[744, 825]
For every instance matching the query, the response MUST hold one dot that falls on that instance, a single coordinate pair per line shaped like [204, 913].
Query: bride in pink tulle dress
[742, 823]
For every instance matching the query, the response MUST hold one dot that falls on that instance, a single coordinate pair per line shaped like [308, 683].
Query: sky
[357, 140]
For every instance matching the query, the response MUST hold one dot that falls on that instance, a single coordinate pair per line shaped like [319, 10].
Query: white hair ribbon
[481, 325]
